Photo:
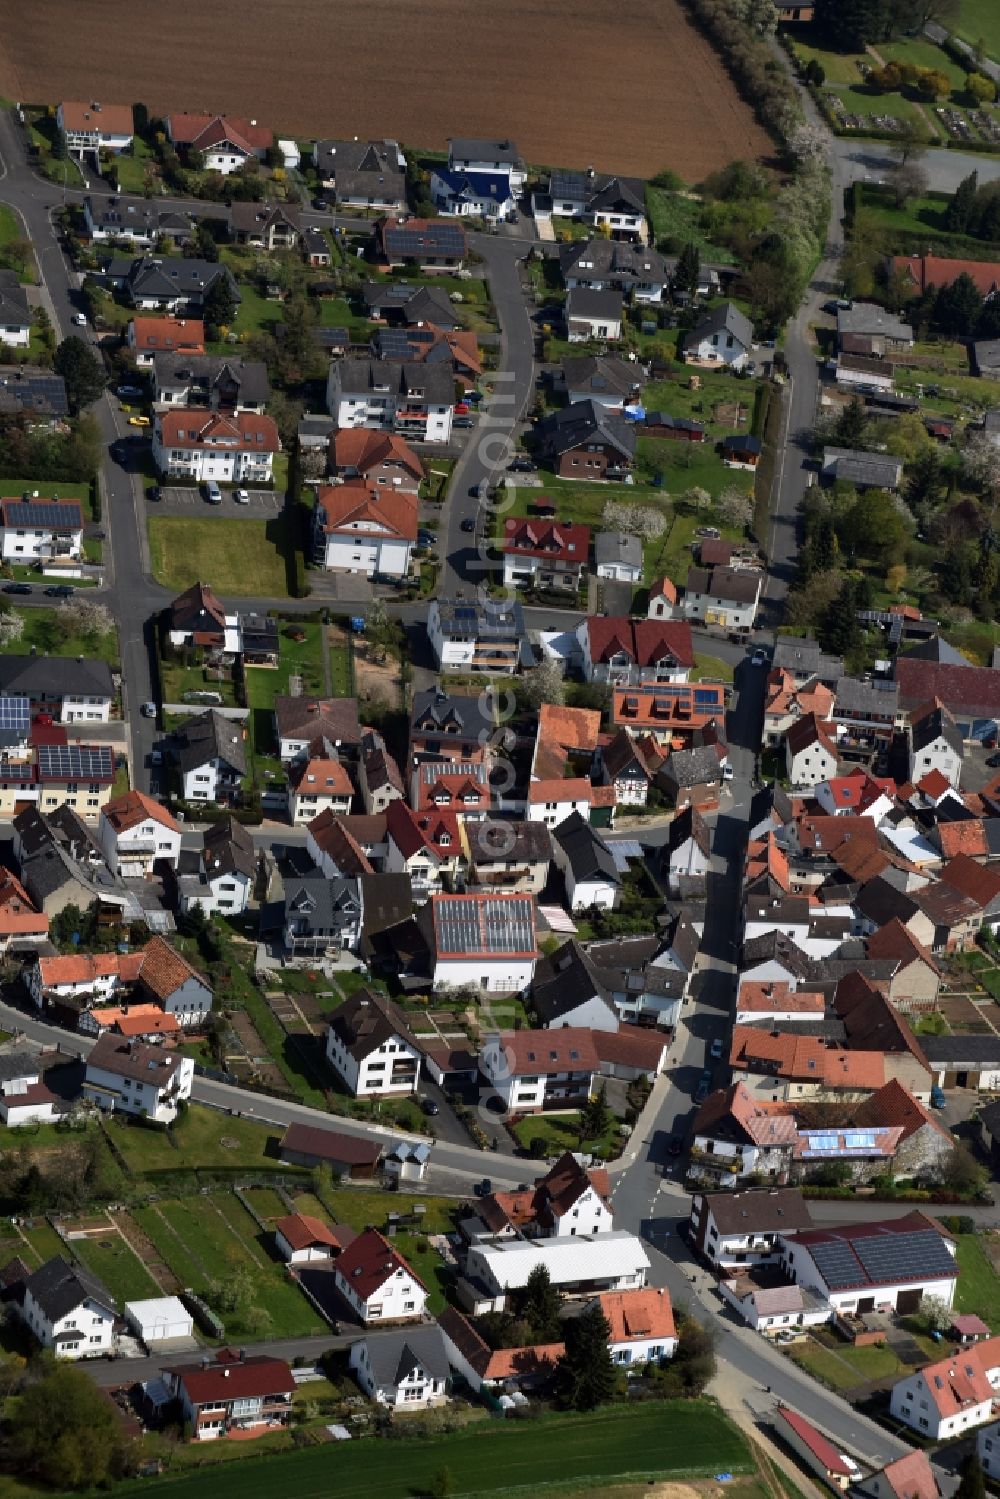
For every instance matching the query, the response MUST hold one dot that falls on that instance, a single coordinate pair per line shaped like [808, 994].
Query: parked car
[709, 533]
[129, 392]
[938, 1099]
[430, 1107]
[993, 761]
[715, 1050]
[462, 421]
[241, 496]
[80, 319]
[728, 773]
[17, 588]
[484, 1188]
[138, 421]
[675, 1145]
[153, 492]
[469, 523]
[522, 466]
[156, 757]
[148, 710]
[702, 1091]
[213, 493]
[759, 657]
[59, 591]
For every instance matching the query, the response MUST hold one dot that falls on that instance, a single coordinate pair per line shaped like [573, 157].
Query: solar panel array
[473, 924]
[45, 514]
[75, 762]
[20, 771]
[836, 1262]
[393, 343]
[883, 1258]
[15, 716]
[441, 238]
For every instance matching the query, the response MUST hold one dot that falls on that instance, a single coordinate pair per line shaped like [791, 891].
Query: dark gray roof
[317, 905]
[498, 840]
[394, 1355]
[740, 585]
[937, 724]
[59, 1287]
[877, 698]
[962, 1051]
[14, 312]
[583, 422]
[803, 658]
[868, 318]
[54, 676]
[124, 215]
[776, 947]
[229, 849]
[935, 648]
[386, 900]
[617, 547]
[772, 1210]
[436, 382]
[415, 304]
[149, 276]
[488, 619]
[588, 855]
[726, 318]
[210, 736]
[246, 216]
[15, 1064]
[365, 1021]
[26, 388]
[213, 374]
[875, 470]
[602, 375]
[450, 715]
[584, 302]
[700, 766]
[564, 980]
[603, 259]
[473, 148]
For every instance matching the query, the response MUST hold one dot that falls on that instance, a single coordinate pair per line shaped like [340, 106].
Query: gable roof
[393, 1355]
[361, 509]
[585, 422]
[203, 131]
[150, 335]
[303, 1231]
[488, 927]
[234, 1377]
[368, 1262]
[134, 807]
[312, 718]
[637, 1316]
[246, 431]
[725, 318]
[364, 449]
[211, 736]
[60, 1287]
[766, 1210]
[365, 1021]
[109, 119]
[911, 1477]
[588, 855]
[164, 970]
[820, 1446]
[895, 1250]
[198, 609]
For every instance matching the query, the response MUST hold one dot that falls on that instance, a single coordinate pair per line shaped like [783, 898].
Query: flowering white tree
[11, 627]
[639, 520]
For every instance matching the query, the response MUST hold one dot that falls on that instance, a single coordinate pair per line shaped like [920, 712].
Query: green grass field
[203, 1139]
[240, 556]
[839, 67]
[118, 1266]
[659, 1440]
[675, 217]
[42, 634]
[561, 1132]
[978, 1283]
[12, 231]
[980, 22]
[924, 54]
[858, 102]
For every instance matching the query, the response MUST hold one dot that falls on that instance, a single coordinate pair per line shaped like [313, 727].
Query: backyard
[45, 635]
[242, 557]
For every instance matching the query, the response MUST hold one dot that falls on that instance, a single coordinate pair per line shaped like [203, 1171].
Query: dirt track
[631, 89]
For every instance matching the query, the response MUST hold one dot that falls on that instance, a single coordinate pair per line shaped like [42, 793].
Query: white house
[370, 1047]
[944, 1399]
[467, 194]
[210, 751]
[223, 142]
[229, 447]
[723, 336]
[404, 1370]
[866, 1267]
[481, 941]
[587, 865]
[95, 127]
[407, 396]
[476, 634]
[834, 1468]
[71, 689]
[988, 1450]
[301, 1239]
[614, 1261]
[534, 1069]
[15, 315]
[135, 832]
[324, 785]
[224, 871]
[130, 1077]
[618, 556]
[68, 1310]
[640, 1326]
[935, 744]
[737, 1229]
[593, 315]
[364, 528]
[726, 598]
[810, 752]
[909, 1477]
[233, 1394]
[377, 1283]
[24, 1097]
[617, 204]
[161, 1319]
[773, 1309]
[473, 154]
[38, 530]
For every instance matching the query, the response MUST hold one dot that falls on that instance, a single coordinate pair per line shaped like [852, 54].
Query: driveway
[180, 500]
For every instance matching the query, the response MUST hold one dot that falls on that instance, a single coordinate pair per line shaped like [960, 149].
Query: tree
[83, 616]
[958, 307]
[66, 1434]
[442, 1483]
[298, 356]
[907, 437]
[585, 1375]
[545, 684]
[971, 1485]
[380, 631]
[204, 245]
[935, 1314]
[851, 427]
[82, 371]
[220, 304]
[17, 255]
[814, 72]
[595, 1116]
[540, 1304]
[982, 89]
[933, 84]
[958, 214]
[907, 181]
[11, 626]
[735, 507]
[688, 270]
[923, 480]
[695, 498]
[962, 1173]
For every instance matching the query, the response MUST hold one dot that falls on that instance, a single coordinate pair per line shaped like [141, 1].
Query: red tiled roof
[109, 119]
[823, 1450]
[18, 916]
[243, 431]
[644, 641]
[571, 1048]
[548, 539]
[151, 335]
[403, 827]
[978, 881]
[777, 995]
[808, 731]
[934, 784]
[132, 808]
[894, 1106]
[363, 509]
[636, 1316]
[806, 1059]
[573, 728]
[664, 588]
[202, 131]
[325, 778]
[911, 1477]
[962, 838]
[369, 1262]
[87, 968]
[232, 1378]
[965, 690]
[136, 1020]
[302, 1231]
[363, 449]
[959, 1381]
[936, 270]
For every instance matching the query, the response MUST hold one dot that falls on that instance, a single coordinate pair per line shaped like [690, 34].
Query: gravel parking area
[179, 500]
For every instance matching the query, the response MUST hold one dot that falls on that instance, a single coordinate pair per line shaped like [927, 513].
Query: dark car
[702, 1091]
[522, 466]
[675, 1145]
[17, 588]
[153, 492]
[430, 1107]
[59, 591]
[468, 524]
[484, 1188]
[994, 761]
[462, 421]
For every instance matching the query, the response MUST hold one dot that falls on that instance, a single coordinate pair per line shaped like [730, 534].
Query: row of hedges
[762, 80]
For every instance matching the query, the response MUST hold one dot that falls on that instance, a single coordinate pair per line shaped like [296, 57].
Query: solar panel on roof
[393, 343]
[15, 714]
[16, 770]
[888, 1257]
[702, 695]
[412, 241]
[84, 762]
[837, 1263]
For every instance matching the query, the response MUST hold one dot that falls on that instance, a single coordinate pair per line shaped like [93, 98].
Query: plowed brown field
[622, 87]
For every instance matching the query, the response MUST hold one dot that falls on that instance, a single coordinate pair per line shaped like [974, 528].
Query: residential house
[460, 786]
[210, 751]
[371, 1048]
[420, 244]
[640, 1326]
[149, 336]
[785, 703]
[353, 1156]
[131, 1021]
[734, 1230]
[379, 778]
[25, 1098]
[406, 1370]
[914, 984]
[688, 854]
[669, 713]
[544, 554]
[507, 856]
[479, 941]
[618, 556]
[40, 530]
[810, 752]
[231, 448]
[21, 924]
[773, 1309]
[535, 1070]
[586, 441]
[577, 1265]
[94, 127]
[335, 850]
[964, 1062]
[321, 915]
[863, 470]
[603, 378]
[423, 847]
[693, 777]
[724, 597]
[303, 723]
[935, 744]
[71, 690]
[301, 1239]
[33, 391]
[362, 174]
[909, 1477]
[569, 1200]
[617, 204]
[233, 1394]
[15, 315]
[264, 226]
[413, 399]
[869, 320]
[570, 990]
[970, 693]
[130, 1077]
[723, 336]
[66, 1308]
[889, 1265]
[212, 382]
[168, 284]
[405, 305]
[490, 1370]
[640, 273]
[137, 220]
[135, 833]
[628, 652]
[382, 459]
[593, 314]
[473, 194]
[224, 873]
[450, 726]
[222, 143]
[836, 1469]
[197, 618]
[946, 1398]
[377, 1283]
[589, 869]
[321, 785]
[629, 765]
[476, 634]
[360, 528]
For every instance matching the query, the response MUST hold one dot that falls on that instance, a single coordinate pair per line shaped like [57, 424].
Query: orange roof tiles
[18, 916]
[132, 808]
[109, 119]
[364, 509]
[805, 1059]
[302, 1231]
[911, 1477]
[157, 335]
[135, 1020]
[534, 1053]
[934, 784]
[778, 996]
[637, 1316]
[574, 728]
[325, 778]
[363, 449]
[163, 969]
[87, 968]
[243, 431]
[203, 131]
[938, 271]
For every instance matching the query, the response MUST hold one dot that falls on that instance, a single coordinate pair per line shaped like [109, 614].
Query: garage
[908, 1302]
[161, 1320]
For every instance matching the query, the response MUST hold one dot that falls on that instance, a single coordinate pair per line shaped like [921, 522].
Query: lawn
[132, 166]
[712, 667]
[240, 556]
[675, 217]
[661, 1439]
[923, 54]
[340, 671]
[561, 1132]
[176, 679]
[115, 1263]
[335, 312]
[980, 21]
[12, 230]
[203, 1139]
[43, 634]
[978, 1283]
[585, 503]
[839, 67]
[825, 1365]
[43, 1239]
[857, 101]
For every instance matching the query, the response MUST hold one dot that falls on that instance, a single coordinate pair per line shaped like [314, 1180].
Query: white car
[728, 773]
[759, 657]
[80, 319]
[241, 496]
[148, 710]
